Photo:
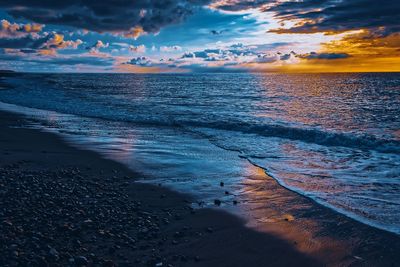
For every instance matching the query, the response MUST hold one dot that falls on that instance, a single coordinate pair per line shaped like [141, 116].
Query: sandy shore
[61, 206]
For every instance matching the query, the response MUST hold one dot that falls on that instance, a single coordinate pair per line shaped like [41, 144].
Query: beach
[62, 206]
[212, 133]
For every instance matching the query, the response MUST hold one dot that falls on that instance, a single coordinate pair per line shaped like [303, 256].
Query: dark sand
[61, 206]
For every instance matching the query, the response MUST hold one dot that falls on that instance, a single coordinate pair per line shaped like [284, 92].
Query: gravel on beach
[64, 217]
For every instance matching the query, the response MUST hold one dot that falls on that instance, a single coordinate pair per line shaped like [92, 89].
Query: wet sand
[62, 206]
[320, 232]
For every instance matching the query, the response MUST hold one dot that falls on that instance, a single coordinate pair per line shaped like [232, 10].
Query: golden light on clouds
[367, 52]
[366, 43]
[355, 64]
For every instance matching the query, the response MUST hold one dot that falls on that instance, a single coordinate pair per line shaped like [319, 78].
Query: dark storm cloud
[130, 17]
[344, 15]
[24, 42]
[329, 15]
[134, 17]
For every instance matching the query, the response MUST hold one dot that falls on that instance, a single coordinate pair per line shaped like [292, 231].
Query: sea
[333, 138]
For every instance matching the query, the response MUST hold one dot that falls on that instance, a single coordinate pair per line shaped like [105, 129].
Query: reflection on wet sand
[274, 209]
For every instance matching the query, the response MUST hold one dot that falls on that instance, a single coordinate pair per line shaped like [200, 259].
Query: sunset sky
[200, 35]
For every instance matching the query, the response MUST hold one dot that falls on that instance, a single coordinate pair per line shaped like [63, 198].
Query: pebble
[81, 261]
[54, 253]
[66, 218]
[108, 263]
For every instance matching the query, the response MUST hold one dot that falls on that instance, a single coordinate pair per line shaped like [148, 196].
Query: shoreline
[200, 236]
[14, 108]
[151, 226]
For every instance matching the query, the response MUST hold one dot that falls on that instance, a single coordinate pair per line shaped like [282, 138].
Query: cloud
[239, 5]
[339, 16]
[56, 41]
[95, 48]
[134, 32]
[329, 16]
[314, 55]
[29, 39]
[127, 17]
[137, 49]
[232, 52]
[236, 57]
[287, 56]
[366, 43]
[124, 47]
[232, 58]
[13, 30]
[26, 42]
[141, 61]
[267, 58]
[99, 44]
[215, 32]
[221, 54]
[173, 48]
[33, 40]
[20, 57]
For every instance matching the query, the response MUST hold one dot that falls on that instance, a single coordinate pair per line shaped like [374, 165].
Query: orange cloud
[368, 52]
[15, 30]
[33, 27]
[365, 43]
[55, 42]
[134, 32]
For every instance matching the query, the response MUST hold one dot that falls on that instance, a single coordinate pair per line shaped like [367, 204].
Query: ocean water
[334, 138]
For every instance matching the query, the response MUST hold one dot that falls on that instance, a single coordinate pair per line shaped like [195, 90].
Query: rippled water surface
[332, 137]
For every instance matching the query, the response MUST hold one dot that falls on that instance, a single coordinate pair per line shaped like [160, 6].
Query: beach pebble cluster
[67, 218]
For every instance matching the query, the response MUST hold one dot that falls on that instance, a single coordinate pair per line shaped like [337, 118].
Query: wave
[315, 136]
[155, 117]
[296, 133]
[311, 135]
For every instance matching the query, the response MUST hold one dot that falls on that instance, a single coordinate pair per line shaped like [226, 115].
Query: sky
[156, 36]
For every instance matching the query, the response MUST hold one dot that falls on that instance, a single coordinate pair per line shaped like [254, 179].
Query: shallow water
[332, 137]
